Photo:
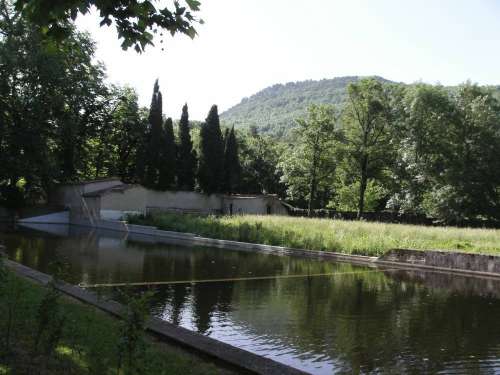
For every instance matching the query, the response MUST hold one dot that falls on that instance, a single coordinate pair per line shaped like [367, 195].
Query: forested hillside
[275, 109]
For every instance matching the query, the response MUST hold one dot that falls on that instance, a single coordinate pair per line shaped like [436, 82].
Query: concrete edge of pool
[230, 355]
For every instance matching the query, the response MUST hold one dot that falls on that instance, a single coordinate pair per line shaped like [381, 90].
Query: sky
[247, 45]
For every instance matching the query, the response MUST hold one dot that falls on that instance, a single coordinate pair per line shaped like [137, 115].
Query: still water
[322, 317]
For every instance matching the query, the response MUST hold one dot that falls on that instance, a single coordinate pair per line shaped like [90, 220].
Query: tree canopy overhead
[136, 21]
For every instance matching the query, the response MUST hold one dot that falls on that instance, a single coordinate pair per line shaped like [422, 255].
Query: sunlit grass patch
[353, 237]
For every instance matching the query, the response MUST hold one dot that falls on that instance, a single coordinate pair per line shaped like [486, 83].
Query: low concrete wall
[235, 357]
[444, 260]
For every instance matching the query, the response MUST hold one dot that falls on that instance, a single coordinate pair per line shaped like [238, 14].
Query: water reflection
[357, 321]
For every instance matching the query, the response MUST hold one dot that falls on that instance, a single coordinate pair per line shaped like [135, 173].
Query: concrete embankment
[449, 261]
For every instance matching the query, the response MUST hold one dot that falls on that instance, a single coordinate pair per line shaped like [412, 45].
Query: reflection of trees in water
[33, 250]
[369, 322]
[209, 299]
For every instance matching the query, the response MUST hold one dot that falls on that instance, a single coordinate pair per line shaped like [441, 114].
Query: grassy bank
[353, 237]
[81, 340]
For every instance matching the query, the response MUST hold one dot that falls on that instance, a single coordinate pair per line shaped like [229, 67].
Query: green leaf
[193, 4]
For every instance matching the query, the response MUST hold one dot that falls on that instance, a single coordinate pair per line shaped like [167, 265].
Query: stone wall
[444, 260]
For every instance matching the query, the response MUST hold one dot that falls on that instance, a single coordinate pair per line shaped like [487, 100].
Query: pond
[322, 317]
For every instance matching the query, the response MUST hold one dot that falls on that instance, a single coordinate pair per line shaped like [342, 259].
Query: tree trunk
[312, 185]
[362, 186]
[312, 189]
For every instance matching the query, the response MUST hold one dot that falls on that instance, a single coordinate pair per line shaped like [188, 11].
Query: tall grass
[353, 237]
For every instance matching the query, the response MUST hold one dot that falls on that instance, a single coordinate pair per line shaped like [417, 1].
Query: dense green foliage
[211, 163]
[259, 155]
[353, 237]
[153, 161]
[136, 22]
[365, 140]
[232, 167]
[419, 149]
[308, 166]
[60, 122]
[53, 106]
[448, 153]
[168, 157]
[410, 149]
[86, 342]
[186, 155]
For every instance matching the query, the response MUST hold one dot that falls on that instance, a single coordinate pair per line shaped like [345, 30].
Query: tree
[136, 22]
[425, 114]
[232, 167]
[309, 164]
[152, 162]
[259, 155]
[211, 163]
[115, 150]
[366, 137]
[468, 186]
[53, 104]
[168, 153]
[186, 162]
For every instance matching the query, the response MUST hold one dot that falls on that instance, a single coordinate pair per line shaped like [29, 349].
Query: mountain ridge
[274, 109]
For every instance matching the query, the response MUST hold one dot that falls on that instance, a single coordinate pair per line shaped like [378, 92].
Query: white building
[112, 199]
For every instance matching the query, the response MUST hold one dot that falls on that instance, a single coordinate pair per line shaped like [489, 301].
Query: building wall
[87, 212]
[114, 204]
[258, 205]
[138, 199]
[184, 200]
[69, 195]
[134, 198]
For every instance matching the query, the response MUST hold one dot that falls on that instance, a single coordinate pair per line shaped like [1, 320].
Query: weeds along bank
[352, 237]
[43, 332]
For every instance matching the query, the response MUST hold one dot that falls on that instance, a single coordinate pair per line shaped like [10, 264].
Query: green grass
[352, 237]
[89, 343]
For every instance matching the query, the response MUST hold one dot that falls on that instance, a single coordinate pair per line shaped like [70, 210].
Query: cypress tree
[154, 140]
[167, 167]
[211, 164]
[232, 167]
[186, 162]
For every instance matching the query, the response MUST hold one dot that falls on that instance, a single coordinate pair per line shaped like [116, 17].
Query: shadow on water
[356, 321]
